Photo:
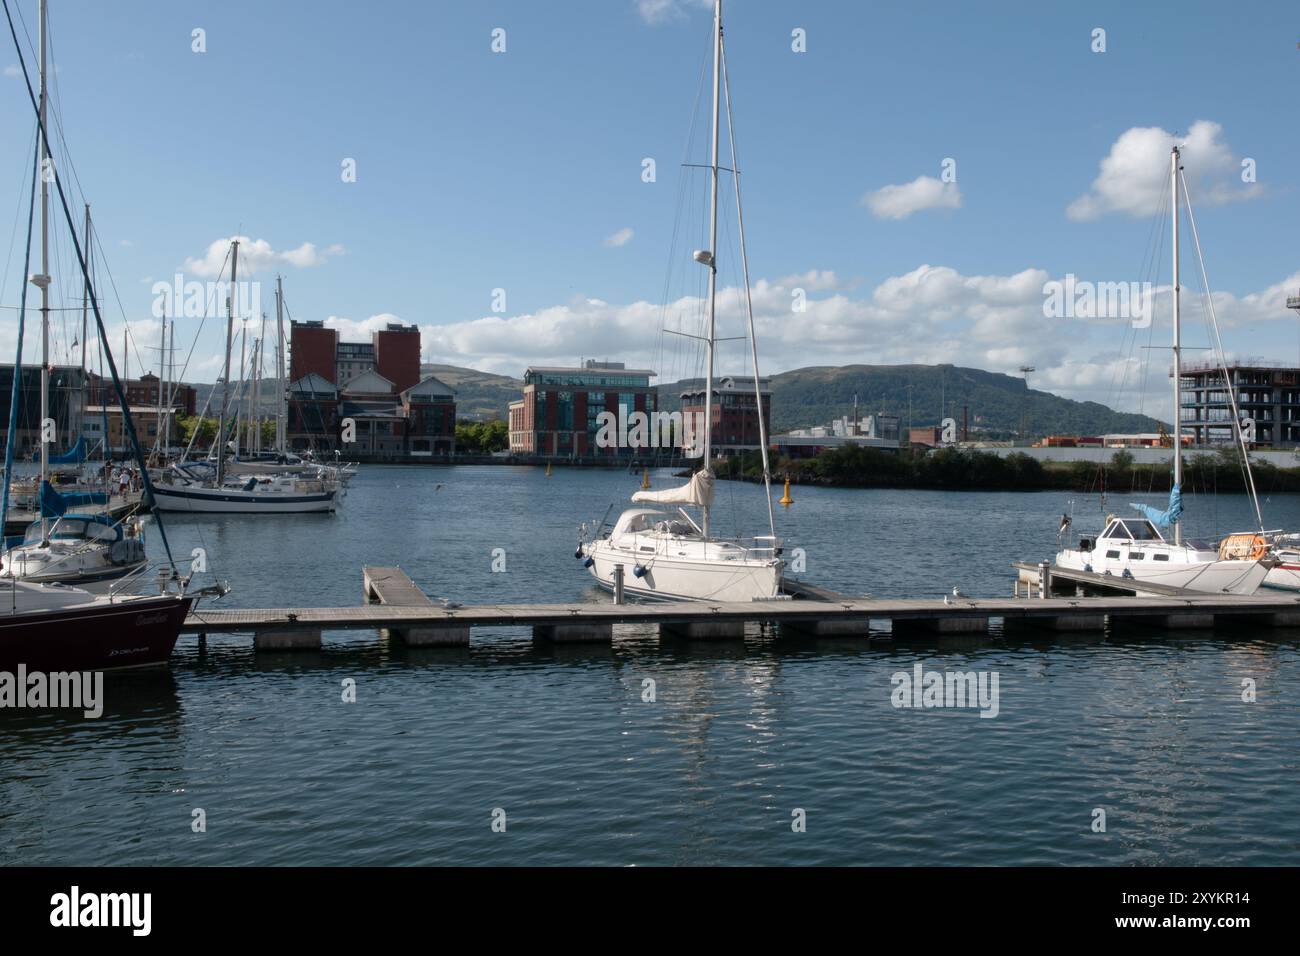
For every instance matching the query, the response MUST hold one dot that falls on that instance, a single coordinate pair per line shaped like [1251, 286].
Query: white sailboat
[671, 556]
[196, 489]
[1151, 548]
[88, 551]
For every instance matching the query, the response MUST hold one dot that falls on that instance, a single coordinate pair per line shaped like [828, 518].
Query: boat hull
[1210, 577]
[230, 501]
[139, 632]
[667, 579]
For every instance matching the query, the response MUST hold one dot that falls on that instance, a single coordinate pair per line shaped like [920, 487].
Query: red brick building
[313, 350]
[143, 392]
[397, 355]
[735, 415]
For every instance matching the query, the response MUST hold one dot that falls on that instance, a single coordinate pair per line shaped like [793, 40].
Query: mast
[749, 307]
[42, 281]
[243, 394]
[85, 327]
[713, 253]
[1178, 366]
[281, 384]
[225, 391]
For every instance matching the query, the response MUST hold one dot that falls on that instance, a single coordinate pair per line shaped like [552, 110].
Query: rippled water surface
[1149, 726]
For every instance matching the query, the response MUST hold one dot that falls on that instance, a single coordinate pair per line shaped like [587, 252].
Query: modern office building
[559, 413]
[1268, 399]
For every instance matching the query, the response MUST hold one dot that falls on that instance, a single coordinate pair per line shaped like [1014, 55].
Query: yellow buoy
[548, 469]
[645, 480]
[786, 500]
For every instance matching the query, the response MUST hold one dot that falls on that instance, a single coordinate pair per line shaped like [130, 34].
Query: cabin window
[1112, 554]
[1143, 531]
[1159, 557]
[1136, 555]
[1117, 529]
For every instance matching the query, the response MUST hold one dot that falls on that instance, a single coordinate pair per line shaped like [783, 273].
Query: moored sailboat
[1151, 548]
[666, 556]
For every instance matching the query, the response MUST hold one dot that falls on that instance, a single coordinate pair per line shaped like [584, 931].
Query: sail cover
[73, 456]
[697, 491]
[1163, 519]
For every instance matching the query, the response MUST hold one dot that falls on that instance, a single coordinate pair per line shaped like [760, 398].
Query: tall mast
[1178, 365]
[43, 279]
[713, 252]
[749, 306]
[225, 391]
[281, 384]
[85, 327]
[243, 393]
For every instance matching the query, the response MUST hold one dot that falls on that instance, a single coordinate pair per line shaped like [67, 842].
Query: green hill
[917, 394]
[817, 395]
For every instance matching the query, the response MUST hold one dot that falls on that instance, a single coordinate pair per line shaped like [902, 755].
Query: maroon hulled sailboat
[56, 628]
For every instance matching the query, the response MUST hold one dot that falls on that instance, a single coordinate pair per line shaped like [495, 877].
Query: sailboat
[52, 626]
[201, 488]
[88, 550]
[669, 556]
[1150, 547]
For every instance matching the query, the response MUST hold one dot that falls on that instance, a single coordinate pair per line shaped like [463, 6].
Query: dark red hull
[127, 634]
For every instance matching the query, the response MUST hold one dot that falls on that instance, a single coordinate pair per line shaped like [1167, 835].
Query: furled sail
[697, 491]
[1163, 519]
[73, 456]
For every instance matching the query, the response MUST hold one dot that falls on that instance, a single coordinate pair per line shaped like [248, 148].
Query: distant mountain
[820, 394]
[481, 396]
[917, 394]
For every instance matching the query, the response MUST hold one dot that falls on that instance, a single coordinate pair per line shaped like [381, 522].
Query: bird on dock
[957, 593]
[448, 603]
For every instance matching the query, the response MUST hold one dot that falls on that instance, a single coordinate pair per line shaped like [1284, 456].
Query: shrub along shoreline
[968, 469]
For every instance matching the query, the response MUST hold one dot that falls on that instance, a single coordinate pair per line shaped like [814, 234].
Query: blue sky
[479, 170]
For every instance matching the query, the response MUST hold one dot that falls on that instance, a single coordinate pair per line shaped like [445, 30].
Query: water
[1150, 728]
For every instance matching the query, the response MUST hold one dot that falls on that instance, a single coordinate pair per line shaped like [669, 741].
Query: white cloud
[656, 12]
[923, 192]
[620, 238]
[256, 255]
[813, 280]
[1134, 176]
[13, 70]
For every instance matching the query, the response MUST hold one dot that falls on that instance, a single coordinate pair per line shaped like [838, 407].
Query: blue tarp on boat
[54, 504]
[73, 456]
[1163, 519]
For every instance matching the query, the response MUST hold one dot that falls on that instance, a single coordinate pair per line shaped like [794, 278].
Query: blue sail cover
[73, 456]
[1163, 519]
[54, 504]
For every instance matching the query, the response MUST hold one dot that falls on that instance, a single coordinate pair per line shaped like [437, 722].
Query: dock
[398, 607]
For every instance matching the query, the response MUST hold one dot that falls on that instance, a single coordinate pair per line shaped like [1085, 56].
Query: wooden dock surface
[368, 617]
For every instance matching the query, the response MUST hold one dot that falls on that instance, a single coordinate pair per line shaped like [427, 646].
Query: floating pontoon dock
[405, 612]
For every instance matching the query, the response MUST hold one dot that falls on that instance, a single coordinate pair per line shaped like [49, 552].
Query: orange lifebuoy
[1243, 547]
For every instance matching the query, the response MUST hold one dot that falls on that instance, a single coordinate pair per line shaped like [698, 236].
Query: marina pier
[401, 609]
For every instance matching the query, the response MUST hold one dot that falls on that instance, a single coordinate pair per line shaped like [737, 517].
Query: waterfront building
[1268, 398]
[873, 431]
[67, 404]
[375, 387]
[558, 415]
[735, 413]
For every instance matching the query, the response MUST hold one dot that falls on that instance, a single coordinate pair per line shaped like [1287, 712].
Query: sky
[916, 176]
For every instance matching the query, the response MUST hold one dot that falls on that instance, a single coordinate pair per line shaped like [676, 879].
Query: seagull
[946, 599]
[438, 486]
[957, 594]
[449, 603]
